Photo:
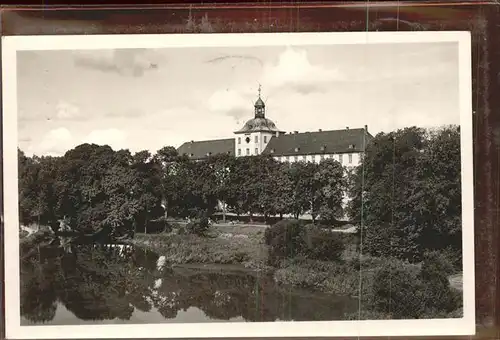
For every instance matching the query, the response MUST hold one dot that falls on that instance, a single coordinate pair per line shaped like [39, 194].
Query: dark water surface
[98, 285]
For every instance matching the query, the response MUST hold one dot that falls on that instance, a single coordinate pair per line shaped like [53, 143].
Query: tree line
[93, 185]
[406, 192]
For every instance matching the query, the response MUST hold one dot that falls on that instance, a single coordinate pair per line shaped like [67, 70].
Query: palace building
[260, 135]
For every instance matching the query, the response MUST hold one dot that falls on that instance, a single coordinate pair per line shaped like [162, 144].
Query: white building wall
[238, 145]
[265, 137]
[256, 145]
[346, 160]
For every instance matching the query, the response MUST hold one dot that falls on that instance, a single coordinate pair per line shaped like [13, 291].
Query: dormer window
[272, 150]
[191, 155]
[297, 149]
[351, 146]
[323, 148]
[209, 153]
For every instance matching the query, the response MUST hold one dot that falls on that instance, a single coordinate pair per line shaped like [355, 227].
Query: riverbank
[244, 246]
[226, 245]
[226, 249]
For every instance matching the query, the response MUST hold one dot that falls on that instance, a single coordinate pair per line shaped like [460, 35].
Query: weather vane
[259, 89]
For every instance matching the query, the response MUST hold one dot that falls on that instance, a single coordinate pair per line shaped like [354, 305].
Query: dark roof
[334, 141]
[328, 142]
[259, 124]
[201, 149]
[259, 103]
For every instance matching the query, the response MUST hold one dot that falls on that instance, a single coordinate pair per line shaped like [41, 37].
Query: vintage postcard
[230, 185]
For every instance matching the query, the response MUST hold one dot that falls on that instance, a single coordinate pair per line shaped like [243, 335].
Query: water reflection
[110, 285]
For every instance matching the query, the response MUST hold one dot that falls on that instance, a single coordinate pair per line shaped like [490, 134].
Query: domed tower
[253, 138]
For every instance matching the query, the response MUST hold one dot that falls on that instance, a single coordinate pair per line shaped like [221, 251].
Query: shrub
[403, 291]
[285, 240]
[436, 264]
[434, 274]
[454, 256]
[397, 291]
[323, 245]
[198, 226]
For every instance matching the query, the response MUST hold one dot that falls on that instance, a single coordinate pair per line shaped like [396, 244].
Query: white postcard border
[12, 44]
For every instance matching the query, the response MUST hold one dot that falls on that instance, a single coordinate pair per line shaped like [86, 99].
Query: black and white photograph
[190, 185]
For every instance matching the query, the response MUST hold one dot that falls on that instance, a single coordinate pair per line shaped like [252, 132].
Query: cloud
[67, 111]
[235, 58]
[55, 142]
[124, 62]
[113, 137]
[230, 103]
[294, 71]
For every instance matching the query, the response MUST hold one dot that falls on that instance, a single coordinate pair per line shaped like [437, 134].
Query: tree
[146, 188]
[168, 159]
[329, 183]
[301, 174]
[282, 189]
[37, 198]
[409, 184]
[222, 166]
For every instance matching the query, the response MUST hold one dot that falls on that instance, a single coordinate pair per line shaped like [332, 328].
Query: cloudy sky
[146, 99]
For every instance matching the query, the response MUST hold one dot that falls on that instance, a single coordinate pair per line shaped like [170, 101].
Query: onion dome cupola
[259, 123]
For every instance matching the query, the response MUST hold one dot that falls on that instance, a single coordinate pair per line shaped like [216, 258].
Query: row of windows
[340, 158]
[256, 139]
[248, 152]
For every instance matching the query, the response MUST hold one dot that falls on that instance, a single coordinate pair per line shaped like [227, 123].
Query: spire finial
[259, 106]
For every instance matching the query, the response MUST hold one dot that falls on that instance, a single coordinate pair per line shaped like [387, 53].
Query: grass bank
[241, 245]
[244, 245]
[341, 278]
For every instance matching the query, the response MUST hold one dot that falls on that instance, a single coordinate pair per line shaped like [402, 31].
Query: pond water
[97, 285]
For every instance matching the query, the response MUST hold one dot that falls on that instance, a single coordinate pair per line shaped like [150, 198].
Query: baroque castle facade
[260, 135]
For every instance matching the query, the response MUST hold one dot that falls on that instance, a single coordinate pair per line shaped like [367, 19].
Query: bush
[397, 291]
[405, 292]
[436, 264]
[434, 274]
[198, 226]
[323, 245]
[285, 240]
[454, 257]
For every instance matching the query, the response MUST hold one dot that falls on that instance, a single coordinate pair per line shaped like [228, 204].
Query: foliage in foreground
[407, 293]
[390, 288]
[291, 238]
[407, 193]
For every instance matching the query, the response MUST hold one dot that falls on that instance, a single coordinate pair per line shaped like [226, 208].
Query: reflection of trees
[93, 284]
[38, 294]
[243, 295]
[96, 284]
